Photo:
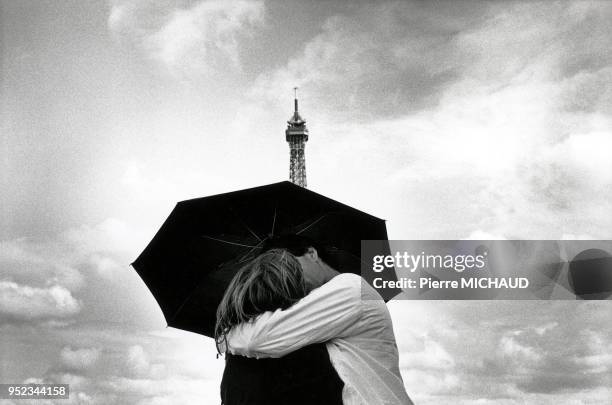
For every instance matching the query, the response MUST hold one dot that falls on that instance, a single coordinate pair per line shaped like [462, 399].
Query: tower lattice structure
[297, 136]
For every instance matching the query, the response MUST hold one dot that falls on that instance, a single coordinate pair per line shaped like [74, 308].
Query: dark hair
[298, 245]
[272, 280]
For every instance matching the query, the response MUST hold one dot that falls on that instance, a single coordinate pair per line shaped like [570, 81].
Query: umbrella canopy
[204, 242]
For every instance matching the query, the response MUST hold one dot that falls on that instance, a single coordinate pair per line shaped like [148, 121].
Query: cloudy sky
[449, 119]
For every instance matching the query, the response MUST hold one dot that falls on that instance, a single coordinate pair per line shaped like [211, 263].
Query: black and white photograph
[315, 202]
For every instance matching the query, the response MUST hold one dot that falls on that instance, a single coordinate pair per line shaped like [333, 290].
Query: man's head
[314, 259]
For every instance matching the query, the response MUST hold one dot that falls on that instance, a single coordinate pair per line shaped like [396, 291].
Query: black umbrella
[193, 257]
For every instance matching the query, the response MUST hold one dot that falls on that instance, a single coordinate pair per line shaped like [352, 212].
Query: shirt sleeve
[326, 313]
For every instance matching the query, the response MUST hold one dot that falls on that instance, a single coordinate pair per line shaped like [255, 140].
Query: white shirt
[351, 317]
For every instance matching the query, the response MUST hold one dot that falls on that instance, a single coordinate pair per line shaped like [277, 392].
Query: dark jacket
[304, 377]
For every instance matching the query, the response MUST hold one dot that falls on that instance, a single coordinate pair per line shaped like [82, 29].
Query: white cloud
[41, 277]
[137, 359]
[22, 302]
[138, 364]
[596, 363]
[202, 38]
[30, 262]
[385, 59]
[68, 257]
[541, 330]
[172, 390]
[109, 236]
[79, 359]
[515, 351]
[83, 398]
[482, 235]
[133, 174]
[431, 356]
[503, 349]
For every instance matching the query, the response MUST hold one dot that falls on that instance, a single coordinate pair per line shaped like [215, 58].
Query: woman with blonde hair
[273, 280]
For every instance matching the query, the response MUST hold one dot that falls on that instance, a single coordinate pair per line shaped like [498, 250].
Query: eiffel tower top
[296, 120]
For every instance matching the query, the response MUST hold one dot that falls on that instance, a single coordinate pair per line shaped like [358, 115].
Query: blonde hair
[272, 280]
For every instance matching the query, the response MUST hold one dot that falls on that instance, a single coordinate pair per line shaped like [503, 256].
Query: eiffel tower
[297, 136]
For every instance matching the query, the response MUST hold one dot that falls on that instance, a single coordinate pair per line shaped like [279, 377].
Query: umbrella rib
[182, 305]
[258, 246]
[245, 225]
[250, 230]
[311, 224]
[180, 308]
[247, 254]
[228, 242]
[273, 222]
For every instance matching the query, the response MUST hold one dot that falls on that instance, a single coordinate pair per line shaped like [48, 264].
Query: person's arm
[324, 314]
